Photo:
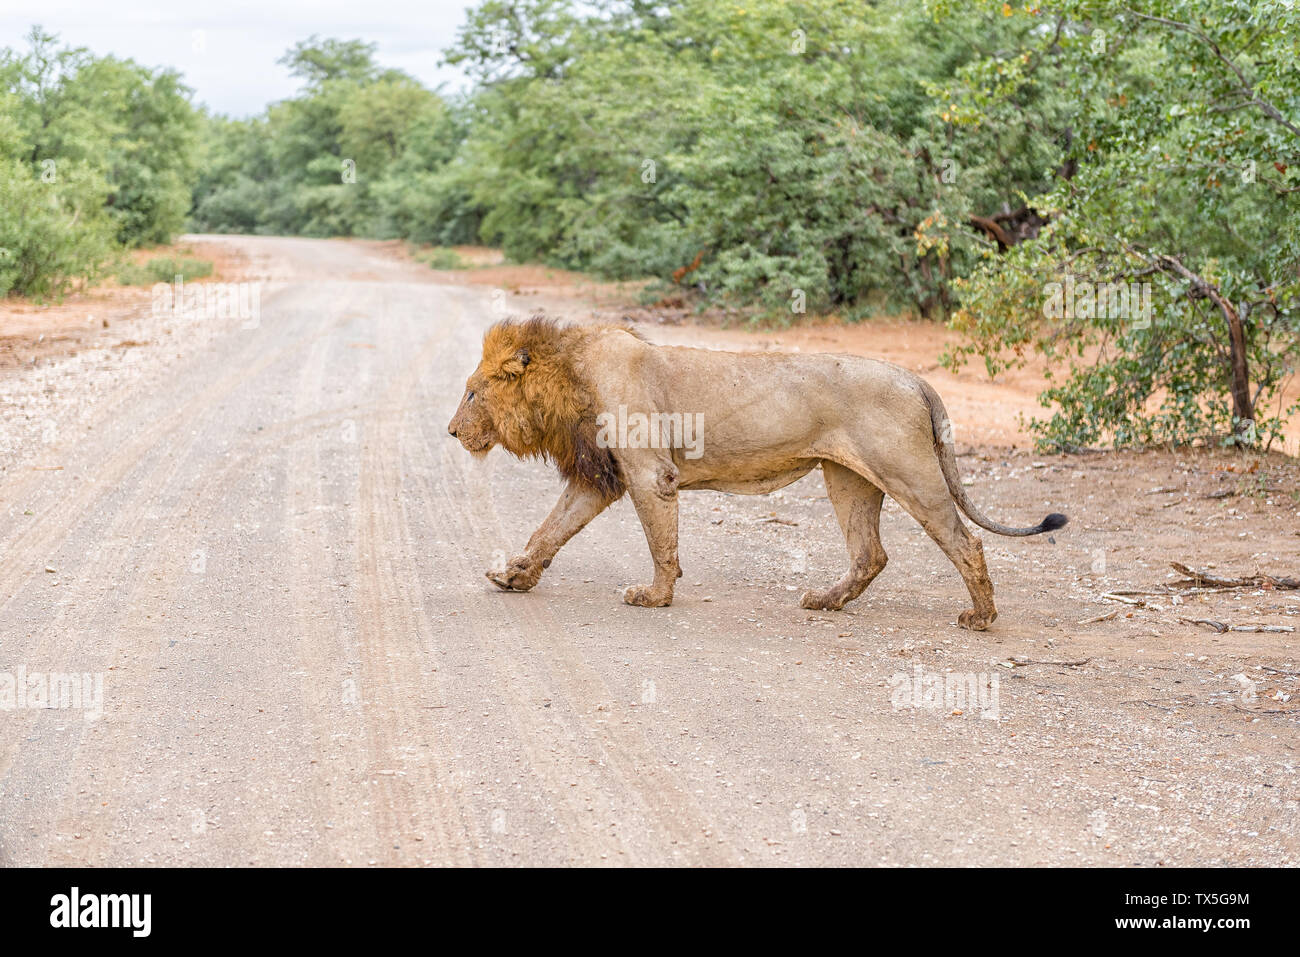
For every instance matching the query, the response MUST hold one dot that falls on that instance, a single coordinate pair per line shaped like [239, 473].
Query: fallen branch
[1220, 627]
[1106, 617]
[1210, 623]
[1281, 584]
[1021, 662]
[1112, 596]
[1197, 579]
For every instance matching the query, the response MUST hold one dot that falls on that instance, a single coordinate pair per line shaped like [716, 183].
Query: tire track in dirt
[637, 774]
[140, 622]
[395, 638]
[80, 647]
[53, 525]
[325, 635]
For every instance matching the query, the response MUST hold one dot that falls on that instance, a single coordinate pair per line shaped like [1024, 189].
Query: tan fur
[768, 419]
[535, 405]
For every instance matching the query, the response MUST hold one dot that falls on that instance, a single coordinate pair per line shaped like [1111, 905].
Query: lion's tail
[943, 448]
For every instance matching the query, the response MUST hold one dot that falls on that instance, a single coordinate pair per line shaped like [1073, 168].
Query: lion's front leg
[577, 506]
[654, 493]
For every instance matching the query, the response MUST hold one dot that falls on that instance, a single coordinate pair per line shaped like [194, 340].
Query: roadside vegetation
[163, 269]
[97, 154]
[439, 257]
[1113, 188]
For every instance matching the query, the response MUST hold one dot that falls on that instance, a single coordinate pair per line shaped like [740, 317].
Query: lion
[611, 411]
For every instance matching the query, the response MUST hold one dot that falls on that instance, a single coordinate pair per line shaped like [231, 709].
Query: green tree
[318, 163]
[134, 124]
[1185, 143]
[52, 231]
[767, 150]
[96, 150]
[318, 61]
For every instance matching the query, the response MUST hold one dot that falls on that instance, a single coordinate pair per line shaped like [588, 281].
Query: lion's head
[527, 397]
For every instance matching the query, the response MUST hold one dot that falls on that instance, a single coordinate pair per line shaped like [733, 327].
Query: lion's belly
[749, 481]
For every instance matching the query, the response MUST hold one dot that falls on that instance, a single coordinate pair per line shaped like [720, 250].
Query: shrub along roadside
[163, 269]
[96, 154]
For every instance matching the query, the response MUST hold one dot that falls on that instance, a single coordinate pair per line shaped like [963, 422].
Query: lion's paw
[520, 574]
[647, 597]
[975, 621]
[820, 601]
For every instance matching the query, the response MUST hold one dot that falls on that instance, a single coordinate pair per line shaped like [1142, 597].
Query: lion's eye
[470, 397]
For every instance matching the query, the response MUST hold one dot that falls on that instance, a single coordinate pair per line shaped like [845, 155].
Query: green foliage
[1185, 141]
[791, 147]
[318, 61]
[163, 269]
[440, 258]
[51, 233]
[948, 159]
[361, 151]
[773, 151]
[95, 151]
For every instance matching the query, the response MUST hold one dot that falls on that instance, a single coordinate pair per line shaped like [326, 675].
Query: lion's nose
[451, 430]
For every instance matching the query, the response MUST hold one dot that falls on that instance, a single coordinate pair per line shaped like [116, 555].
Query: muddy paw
[975, 621]
[820, 601]
[520, 574]
[647, 597]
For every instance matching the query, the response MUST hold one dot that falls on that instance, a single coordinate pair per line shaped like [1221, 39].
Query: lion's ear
[514, 366]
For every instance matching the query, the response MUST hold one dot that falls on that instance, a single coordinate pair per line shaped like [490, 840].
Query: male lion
[569, 394]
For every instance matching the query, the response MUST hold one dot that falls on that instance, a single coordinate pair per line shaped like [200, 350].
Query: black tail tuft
[1051, 523]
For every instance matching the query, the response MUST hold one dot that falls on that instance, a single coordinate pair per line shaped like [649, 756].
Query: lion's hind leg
[925, 496]
[966, 551]
[653, 489]
[857, 504]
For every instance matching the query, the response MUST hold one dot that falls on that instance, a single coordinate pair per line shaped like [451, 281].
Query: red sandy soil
[31, 332]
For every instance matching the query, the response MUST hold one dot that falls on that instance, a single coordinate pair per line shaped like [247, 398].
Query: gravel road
[271, 553]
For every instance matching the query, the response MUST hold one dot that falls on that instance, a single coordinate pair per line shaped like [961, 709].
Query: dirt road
[272, 554]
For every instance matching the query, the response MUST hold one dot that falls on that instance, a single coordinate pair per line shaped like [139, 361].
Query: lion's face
[473, 424]
[494, 409]
[526, 397]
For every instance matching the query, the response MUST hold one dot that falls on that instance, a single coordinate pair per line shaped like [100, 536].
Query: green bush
[946, 159]
[95, 152]
[440, 258]
[163, 269]
[54, 230]
[1170, 192]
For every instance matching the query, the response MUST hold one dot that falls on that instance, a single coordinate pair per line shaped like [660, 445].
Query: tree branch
[1247, 87]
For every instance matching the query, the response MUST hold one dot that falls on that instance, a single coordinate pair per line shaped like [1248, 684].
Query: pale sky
[226, 49]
